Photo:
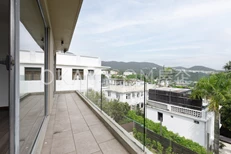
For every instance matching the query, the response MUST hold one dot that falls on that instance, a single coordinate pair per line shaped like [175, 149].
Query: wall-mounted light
[64, 50]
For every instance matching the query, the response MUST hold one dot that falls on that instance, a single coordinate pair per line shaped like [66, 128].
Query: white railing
[186, 111]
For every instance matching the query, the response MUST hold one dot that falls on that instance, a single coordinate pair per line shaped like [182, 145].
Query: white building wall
[33, 85]
[182, 125]
[132, 101]
[66, 63]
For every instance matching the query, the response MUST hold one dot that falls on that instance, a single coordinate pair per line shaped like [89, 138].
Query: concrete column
[50, 75]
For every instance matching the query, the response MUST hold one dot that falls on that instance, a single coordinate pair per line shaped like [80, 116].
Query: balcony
[74, 128]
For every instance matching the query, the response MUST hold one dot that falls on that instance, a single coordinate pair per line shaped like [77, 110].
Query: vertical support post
[46, 58]
[87, 84]
[14, 15]
[144, 109]
[101, 95]
[55, 56]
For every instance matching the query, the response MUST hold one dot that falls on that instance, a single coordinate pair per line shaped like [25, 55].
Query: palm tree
[216, 89]
[227, 66]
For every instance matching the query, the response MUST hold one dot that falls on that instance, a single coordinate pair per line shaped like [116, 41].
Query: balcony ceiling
[60, 15]
[31, 18]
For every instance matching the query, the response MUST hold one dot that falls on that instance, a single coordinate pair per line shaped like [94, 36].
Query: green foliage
[216, 88]
[155, 127]
[138, 111]
[227, 66]
[168, 150]
[115, 109]
[159, 148]
[226, 114]
[132, 76]
[114, 76]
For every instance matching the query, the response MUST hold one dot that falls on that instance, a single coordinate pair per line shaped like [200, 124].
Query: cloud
[168, 32]
[201, 10]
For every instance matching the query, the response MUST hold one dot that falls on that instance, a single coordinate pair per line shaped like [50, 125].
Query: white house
[73, 72]
[129, 73]
[179, 114]
[131, 92]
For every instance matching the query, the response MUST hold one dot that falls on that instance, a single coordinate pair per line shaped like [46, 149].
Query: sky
[165, 32]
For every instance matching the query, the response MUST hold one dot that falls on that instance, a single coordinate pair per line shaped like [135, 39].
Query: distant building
[129, 73]
[130, 91]
[182, 115]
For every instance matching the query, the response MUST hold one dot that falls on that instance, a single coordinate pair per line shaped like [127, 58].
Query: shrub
[159, 148]
[155, 127]
[168, 150]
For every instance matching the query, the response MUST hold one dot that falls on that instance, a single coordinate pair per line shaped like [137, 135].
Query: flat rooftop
[128, 89]
[176, 90]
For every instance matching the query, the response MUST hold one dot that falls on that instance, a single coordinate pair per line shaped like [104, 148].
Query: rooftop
[127, 89]
[176, 90]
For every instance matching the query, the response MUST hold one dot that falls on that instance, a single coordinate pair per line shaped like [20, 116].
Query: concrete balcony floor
[74, 129]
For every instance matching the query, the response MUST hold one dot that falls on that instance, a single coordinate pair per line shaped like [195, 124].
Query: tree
[115, 109]
[227, 66]
[226, 114]
[216, 89]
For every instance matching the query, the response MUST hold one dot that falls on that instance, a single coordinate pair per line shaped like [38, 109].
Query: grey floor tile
[62, 145]
[79, 126]
[101, 133]
[112, 147]
[62, 134]
[99, 152]
[92, 120]
[85, 143]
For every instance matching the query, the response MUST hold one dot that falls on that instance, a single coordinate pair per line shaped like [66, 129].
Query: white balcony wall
[66, 62]
[184, 125]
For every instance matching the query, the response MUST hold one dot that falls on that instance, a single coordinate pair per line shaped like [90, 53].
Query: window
[32, 73]
[90, 72]
[77, 74]
[133, 95]
[109, 94]
[138, 94]
[128, 96]
[58, 74]
[142, 105]
[196, 122]
[117, 95]
[160, 116]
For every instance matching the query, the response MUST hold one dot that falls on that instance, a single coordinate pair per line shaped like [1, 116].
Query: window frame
[76, 73]
[32, 78]
[61, 78]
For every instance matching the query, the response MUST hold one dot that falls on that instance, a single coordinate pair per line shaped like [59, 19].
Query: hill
[137, 66]
[201, 68]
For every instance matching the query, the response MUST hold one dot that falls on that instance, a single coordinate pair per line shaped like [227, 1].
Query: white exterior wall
[184, 125]
[132, 101]
[33, 85]
[66, 63]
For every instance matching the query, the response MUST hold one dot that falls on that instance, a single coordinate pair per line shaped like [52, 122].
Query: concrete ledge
[129, 142]
[64, 92]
